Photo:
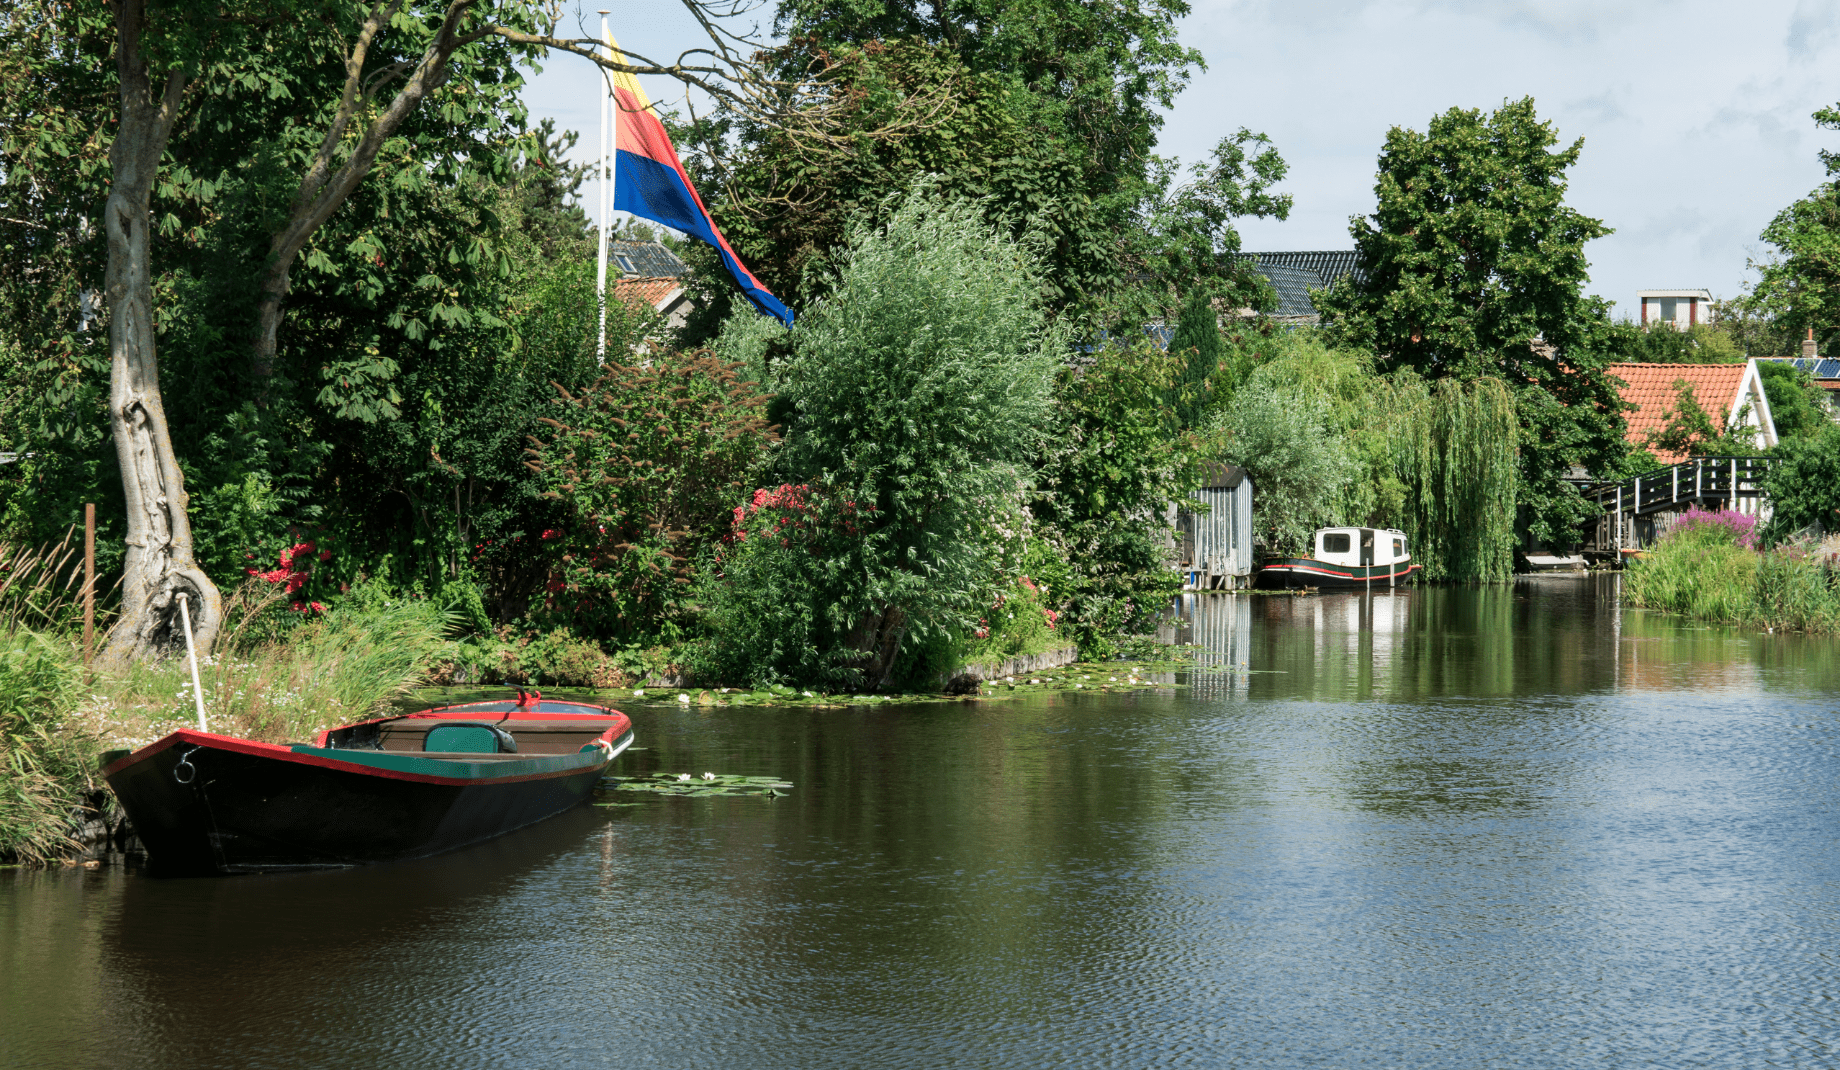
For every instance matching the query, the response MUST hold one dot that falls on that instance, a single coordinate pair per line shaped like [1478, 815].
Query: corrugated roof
[645, 259]
[653, 292]
[1653, 389]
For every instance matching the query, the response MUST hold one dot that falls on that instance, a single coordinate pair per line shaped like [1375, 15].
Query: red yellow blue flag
[649, 182]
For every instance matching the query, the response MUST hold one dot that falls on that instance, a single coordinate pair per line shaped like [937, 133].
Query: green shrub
[917, 392]
[46, 764]
[1804, 485]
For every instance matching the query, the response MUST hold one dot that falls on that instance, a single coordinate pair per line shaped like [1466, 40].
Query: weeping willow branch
[1454, 448]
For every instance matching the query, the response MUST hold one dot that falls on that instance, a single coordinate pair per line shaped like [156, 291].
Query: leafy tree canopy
[1800, 289]
[1473, 265]
[1047, 115]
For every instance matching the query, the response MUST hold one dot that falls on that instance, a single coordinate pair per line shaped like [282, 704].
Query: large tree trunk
[159, 566]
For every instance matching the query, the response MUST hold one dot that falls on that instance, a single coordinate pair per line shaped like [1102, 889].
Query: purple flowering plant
[1717, 524]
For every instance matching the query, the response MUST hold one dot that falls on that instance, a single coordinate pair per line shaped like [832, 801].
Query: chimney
[1808, 352]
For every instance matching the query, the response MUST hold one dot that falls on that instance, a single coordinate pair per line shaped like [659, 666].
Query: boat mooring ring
[185, 763]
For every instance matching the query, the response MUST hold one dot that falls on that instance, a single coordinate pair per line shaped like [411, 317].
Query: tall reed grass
[47, 763]
[286, 682]
[1702, 571]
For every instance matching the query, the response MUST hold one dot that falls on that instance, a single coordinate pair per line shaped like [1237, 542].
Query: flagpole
[608, 115]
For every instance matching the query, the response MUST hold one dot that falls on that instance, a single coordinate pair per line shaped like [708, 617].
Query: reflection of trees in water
[51, 995]
[999, 843]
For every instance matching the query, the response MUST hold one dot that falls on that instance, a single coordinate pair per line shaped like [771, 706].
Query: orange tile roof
[1651, 387]
[632, 291]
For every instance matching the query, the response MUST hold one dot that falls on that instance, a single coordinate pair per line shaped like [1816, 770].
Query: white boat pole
[191, 652]
[608, 115]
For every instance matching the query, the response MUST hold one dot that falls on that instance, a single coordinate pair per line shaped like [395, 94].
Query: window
[1669, 309]
[625, 263]
[1399, 549]
[1335, 544]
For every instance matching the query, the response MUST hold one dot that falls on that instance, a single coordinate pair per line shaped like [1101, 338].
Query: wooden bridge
[1638, 511]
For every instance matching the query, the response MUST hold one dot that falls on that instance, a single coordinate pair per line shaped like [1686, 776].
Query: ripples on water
[1439, 828]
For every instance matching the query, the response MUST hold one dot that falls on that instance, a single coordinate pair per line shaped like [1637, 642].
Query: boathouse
[1214, 547]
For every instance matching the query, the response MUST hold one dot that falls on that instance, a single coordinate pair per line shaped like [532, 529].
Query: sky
[1695, 116]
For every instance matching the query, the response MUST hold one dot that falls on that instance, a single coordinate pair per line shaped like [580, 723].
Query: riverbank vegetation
[1711, 566]
[968, 443]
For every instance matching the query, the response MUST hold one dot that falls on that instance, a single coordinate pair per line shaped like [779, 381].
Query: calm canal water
[1444, 828]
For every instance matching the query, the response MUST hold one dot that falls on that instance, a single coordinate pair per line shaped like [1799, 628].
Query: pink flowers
[1741, 529]
[787, 496]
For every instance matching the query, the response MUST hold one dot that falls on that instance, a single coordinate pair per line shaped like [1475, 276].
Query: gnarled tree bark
[159, 565]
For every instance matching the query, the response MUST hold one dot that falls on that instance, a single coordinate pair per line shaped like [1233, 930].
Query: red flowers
[295, 567]
[797, 499]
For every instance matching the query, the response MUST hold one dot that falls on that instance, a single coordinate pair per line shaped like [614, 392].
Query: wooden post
[89, 582]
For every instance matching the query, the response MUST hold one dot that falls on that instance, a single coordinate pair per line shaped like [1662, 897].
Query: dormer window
[625, 263]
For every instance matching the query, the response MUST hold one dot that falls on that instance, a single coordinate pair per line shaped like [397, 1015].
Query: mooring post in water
[191, 653]
[89, 582]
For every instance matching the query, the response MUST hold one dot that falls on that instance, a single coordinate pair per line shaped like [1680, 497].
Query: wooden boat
[392, 788]
[1344, 557]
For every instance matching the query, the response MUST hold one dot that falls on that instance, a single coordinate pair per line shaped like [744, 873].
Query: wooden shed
[1214, 549]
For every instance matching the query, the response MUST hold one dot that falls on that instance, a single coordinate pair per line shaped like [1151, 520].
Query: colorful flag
[649, 182]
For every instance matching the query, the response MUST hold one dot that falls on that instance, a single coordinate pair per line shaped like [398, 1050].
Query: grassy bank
[275, 677]
[1704, 570]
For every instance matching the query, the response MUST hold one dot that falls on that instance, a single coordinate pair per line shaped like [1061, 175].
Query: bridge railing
[1698, 479]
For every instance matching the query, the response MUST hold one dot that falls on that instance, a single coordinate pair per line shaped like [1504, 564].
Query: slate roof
[1293, 286]
[1330, 265]
[1651, 388]
[1293, 275]
[645, 259]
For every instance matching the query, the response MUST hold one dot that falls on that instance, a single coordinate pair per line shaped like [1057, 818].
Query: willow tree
[388, 59]
[1454, 449]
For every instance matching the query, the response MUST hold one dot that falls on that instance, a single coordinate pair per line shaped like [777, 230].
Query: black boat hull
[1307, 572]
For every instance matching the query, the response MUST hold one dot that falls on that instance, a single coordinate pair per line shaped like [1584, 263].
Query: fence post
[1619, 518]
[1734, 485]
[89, 582]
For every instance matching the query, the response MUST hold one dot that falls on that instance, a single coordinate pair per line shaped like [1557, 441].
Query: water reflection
[1431, 828]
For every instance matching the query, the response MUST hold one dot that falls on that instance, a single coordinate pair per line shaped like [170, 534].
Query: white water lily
[683, 776]
[709, 776]
[638, 692]
[685, 699]
[808, 694]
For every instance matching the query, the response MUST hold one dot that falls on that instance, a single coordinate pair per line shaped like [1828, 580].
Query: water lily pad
[697, 785]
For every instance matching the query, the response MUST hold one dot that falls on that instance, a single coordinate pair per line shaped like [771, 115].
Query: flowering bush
[1020, 622]
[768, 594]
[647, 461]
[1720, 525]
[292, 571]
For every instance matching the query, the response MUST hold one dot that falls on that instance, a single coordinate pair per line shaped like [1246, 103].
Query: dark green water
[1441, 828]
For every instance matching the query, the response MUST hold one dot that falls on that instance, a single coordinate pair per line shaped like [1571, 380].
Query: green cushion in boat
[469, 739]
